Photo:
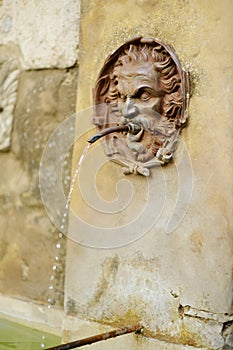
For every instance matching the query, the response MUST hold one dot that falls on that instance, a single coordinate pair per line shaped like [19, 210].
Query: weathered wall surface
[178, 285]
[38, 74]
[46, 32]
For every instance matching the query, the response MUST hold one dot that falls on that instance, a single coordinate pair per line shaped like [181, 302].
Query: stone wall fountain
[154, 249]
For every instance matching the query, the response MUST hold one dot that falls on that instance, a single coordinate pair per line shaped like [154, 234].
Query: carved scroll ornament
[142, 85]
[9, 76]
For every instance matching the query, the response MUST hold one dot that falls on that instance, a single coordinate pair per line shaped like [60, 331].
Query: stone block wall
[38, 75]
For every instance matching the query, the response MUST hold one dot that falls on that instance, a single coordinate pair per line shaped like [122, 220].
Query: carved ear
[102, 85]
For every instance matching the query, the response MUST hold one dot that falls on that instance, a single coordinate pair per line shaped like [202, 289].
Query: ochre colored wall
[178, 285]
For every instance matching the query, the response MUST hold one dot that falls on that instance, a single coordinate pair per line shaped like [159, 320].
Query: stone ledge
[26, 313]
[75, 329]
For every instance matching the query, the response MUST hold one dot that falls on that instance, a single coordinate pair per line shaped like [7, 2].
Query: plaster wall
[178, 285]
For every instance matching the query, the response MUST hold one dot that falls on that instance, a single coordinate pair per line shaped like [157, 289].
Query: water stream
[61, 238]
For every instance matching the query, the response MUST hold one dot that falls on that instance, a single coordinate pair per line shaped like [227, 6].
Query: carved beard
[154, 133]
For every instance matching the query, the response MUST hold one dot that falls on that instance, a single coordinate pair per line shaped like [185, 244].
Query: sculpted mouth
[135, 132]
[140, 122]
[134, 128]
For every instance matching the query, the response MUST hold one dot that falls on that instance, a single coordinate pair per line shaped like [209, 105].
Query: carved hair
[170, 80]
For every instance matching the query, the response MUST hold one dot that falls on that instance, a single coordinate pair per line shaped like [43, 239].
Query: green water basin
[18, 337]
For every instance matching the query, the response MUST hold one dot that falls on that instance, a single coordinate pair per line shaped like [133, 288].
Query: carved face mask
[139, 102]
[138, 91]
[143, 85]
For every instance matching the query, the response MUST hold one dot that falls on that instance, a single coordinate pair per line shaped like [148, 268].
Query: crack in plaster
[206, 315]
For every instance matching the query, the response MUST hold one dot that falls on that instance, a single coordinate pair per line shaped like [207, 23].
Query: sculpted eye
[145, 96]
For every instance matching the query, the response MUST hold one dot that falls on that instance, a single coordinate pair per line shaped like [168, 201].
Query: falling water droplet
[60, 235]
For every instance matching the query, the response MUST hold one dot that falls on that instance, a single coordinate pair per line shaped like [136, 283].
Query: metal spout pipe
[107, 131]
[137, 328]
[132, 128]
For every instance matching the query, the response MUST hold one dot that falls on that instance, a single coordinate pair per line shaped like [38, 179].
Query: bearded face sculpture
[141, 85]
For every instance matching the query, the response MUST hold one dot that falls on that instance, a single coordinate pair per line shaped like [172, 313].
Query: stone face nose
[129, 109]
